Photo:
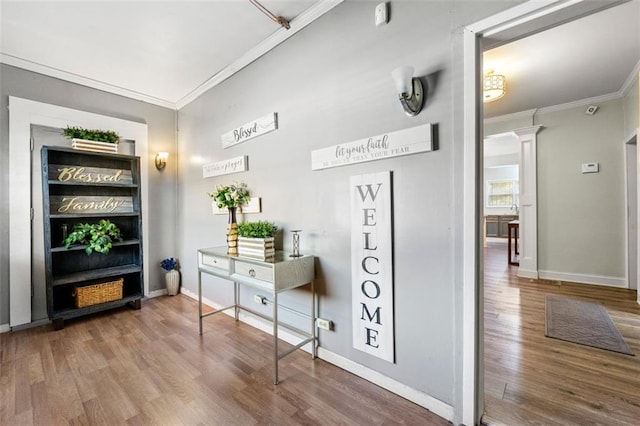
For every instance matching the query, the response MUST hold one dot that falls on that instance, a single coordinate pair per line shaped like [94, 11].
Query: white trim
[4, 328]
[528, 196]
[22, 114]
[530, 113]
[85, 81]
[157, 293]
[270, 43]
[631, 79]
[619, 282]
[527, 273]
[515, 16]
[471, 348]
[472, 308]
[420, 398]
[417, 397]
[582, 102]
[305, 18]
[624, 91]
[630, 140]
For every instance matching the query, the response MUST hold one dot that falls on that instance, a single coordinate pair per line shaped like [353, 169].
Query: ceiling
[595, 57]
[170, 52]
[164, 52]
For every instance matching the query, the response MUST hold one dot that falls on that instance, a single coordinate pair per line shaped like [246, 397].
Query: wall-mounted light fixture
[409, 90]
[161, 160]
[494, 87]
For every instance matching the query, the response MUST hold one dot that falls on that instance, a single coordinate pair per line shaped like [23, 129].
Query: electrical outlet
[259, 299]
[324, 324]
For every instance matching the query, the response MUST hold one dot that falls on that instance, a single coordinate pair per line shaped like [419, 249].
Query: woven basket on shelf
[98, 293]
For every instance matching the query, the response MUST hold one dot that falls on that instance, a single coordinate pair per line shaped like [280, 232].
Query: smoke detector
[591, 109]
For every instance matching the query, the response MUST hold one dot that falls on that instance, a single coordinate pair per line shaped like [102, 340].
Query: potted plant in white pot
[172, 277]
[95, 140]
[256, 240]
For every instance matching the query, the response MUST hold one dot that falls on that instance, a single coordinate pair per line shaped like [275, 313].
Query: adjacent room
[319, 212]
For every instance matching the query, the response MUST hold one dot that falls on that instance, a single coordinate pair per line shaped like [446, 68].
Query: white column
[528, 202]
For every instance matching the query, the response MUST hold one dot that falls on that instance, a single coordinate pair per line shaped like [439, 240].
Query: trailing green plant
[73, 132]
[97, 236]
[259, 229]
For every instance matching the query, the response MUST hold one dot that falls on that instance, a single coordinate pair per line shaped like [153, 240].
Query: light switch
[590, 168]
[381, 14]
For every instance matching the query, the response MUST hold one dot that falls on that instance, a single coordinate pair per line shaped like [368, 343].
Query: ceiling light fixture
[279, 19]
[494, 87]
[409, 89]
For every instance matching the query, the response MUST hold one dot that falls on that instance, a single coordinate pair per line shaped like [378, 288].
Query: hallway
[534, 380]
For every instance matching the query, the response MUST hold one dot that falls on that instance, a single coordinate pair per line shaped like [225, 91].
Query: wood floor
[151, 367]
[534, 380]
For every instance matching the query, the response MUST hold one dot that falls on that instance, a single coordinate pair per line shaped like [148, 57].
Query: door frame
[22, 114]
[523, 18]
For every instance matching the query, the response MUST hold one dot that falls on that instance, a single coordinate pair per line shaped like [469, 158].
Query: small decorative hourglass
[296, 243]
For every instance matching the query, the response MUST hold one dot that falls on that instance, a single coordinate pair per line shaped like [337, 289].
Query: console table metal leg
[275, 338]
[314, 331]
[200, 300]
[236, 300]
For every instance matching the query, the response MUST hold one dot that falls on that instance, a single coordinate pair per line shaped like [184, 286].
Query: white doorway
[46, 136]
[631, 160]
[23, 114]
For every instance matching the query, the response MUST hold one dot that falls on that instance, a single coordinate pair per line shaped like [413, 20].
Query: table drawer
[258, 272]
[215, 261]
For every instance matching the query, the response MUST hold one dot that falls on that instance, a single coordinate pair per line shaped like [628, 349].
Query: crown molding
[631, 79]
[513, 116]
[301, 21]
[582, 102]
[84, 81]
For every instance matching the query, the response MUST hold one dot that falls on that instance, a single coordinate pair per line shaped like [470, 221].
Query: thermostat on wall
[590, 167]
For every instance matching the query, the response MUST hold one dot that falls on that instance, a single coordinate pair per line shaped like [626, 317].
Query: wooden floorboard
[150, 366]
[534, 380]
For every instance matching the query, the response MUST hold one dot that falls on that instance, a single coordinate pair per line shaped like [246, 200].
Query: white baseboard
[420, 398]
[4, 328]
[602, 280]
[157, 293]
[526, 273]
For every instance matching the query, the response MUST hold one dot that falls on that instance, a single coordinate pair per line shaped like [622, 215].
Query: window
[503, 193]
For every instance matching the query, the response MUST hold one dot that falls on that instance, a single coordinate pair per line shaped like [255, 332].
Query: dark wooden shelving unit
[85, 187]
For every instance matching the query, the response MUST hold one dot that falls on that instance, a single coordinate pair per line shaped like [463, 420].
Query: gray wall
[331, 84]
[162, 186]
[630, 106]
[581, 217]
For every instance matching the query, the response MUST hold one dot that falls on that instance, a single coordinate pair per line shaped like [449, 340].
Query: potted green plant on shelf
[98, 237]
[92, 139]
[172, 277]
[256, 240]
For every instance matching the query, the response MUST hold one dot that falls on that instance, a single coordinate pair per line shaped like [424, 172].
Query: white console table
[270, 277]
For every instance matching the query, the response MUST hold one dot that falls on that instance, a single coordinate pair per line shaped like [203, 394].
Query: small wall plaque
[225, 167]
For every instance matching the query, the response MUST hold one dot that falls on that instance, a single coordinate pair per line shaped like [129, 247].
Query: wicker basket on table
[98, 293]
